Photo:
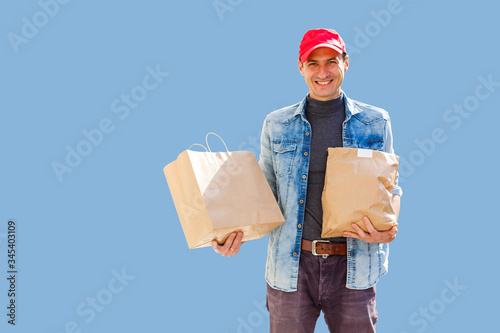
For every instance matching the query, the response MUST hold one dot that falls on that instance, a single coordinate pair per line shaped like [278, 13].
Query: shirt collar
[350, 108]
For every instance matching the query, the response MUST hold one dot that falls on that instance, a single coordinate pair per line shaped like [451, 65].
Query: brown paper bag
[217, 193]
[358, 182]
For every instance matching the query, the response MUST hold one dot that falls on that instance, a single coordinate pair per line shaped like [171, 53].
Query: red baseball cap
[317, 38]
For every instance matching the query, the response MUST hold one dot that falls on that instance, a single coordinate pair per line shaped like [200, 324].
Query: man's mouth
[323, 83]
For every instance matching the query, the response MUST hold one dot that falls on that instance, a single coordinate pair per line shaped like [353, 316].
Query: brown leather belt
[324, 248]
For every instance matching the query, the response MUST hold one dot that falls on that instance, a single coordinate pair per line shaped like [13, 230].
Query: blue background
[227, 69]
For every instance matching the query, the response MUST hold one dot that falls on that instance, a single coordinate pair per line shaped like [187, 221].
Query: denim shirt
[286, 138]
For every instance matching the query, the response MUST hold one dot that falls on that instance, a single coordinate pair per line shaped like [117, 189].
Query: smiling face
[324, 73]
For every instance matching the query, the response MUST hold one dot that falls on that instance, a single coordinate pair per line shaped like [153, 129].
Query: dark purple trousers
[321, 287]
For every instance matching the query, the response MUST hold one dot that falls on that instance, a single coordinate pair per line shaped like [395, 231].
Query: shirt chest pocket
[367, 134]
[374, 143]
[284, 154]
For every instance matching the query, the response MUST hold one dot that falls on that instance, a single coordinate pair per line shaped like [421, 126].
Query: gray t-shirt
[326, 118]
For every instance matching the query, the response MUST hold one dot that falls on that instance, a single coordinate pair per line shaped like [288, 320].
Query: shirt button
[295, 254]
[305, 154]
[281, 148]
[301, 201]
[303, 176]
[307, 133]
[300, 226]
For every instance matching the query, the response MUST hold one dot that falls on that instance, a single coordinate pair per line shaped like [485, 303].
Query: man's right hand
[231, 246]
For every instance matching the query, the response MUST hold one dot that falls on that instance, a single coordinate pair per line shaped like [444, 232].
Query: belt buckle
[313, 250]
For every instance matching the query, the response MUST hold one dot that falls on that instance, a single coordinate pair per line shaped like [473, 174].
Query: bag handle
[210, 150]
[206, 141]
[197, 144]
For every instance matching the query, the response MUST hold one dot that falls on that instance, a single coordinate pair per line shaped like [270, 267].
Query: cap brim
[306, 54]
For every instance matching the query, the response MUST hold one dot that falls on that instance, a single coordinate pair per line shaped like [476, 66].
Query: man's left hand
[372, 236]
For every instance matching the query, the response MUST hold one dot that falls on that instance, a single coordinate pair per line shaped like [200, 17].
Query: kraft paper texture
[217, 193]
[358, 182]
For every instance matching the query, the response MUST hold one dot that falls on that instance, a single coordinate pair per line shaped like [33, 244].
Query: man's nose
[323, 72]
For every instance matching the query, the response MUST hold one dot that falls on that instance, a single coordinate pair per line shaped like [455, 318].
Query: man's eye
[312, 64]
[332, 61]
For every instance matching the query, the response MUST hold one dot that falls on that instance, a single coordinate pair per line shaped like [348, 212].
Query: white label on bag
[365, 153]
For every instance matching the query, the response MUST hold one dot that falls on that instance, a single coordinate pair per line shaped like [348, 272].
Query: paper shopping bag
[217, 193]
[358, 182]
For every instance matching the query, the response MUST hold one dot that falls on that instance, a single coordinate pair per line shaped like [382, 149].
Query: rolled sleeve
[388, 148]
[266, 158]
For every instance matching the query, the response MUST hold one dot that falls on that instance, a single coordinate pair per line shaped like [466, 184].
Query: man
[340, 279]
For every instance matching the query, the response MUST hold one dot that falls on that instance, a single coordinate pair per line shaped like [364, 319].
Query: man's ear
[301, 67]
[346, 62]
